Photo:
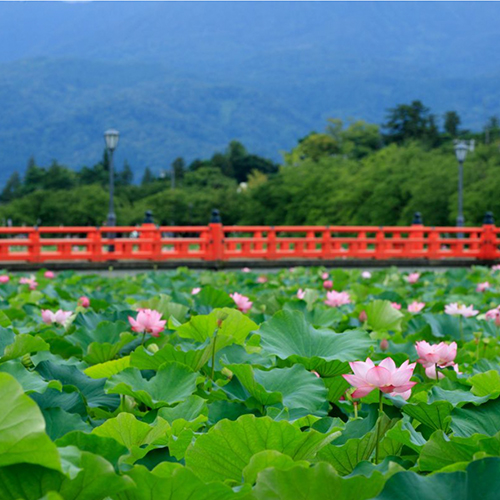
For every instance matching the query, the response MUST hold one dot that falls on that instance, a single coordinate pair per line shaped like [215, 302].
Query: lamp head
[111, 137]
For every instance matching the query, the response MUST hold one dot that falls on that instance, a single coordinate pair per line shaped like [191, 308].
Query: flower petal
[378, 376]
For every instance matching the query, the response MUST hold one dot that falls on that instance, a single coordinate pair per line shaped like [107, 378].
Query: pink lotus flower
[456, 309]
[31, 282]
[336, 299]
[4, 278]
[362, 316]
[84, 301]
[482, 287]
[416, 307]
[316, 373]
[366, 275]
[324, 276]
[148, 321]
[49, 275]
[262, 279]
[195, 290]
[242, 303]
[59, 316]
[384, 345]
[301, 294]
[246, 270]
[396, 305]
[413, 277]
[328, 284]
[493, 315]
[441, 354]
[385, 376]
[430, 371]
[496, 267]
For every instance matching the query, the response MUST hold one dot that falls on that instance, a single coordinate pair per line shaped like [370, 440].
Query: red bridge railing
[216, 242]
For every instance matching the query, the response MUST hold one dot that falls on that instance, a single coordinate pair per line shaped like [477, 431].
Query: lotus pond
[301, 384]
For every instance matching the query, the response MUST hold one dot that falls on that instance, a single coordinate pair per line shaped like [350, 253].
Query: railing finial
[488, 219]
[417, 219]
[215, 217]
[148, 217]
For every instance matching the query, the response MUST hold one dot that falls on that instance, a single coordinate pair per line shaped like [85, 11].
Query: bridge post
[216, 237]
[326, 243]
[380, 243]
[96, 246]
[34, 249]
[271, 244]
[487, 245]
[417, 246]
[148, 233]
[433, 244]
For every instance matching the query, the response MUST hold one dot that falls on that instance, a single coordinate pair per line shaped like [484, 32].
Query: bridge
[217, 246]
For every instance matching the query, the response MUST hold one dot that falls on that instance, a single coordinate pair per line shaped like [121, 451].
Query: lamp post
[461, 149]
[111, 137]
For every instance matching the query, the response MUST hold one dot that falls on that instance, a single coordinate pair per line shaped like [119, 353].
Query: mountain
[184, 78]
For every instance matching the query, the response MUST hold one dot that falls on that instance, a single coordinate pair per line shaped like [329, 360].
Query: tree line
[350, 173]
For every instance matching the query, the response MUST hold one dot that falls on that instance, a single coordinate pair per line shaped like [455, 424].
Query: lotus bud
[221, 317]
[26, 361]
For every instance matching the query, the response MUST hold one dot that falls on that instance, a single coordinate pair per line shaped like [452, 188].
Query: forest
[349, 173]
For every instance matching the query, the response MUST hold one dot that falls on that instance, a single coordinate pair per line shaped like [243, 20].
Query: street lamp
[461, 149]
[111, 137]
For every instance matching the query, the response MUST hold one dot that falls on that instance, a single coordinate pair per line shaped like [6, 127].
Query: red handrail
[216, 242]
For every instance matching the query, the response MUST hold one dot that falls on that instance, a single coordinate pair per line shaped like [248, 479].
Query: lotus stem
[437, 373]
[355, 404]
[380, 412]
[212, 376]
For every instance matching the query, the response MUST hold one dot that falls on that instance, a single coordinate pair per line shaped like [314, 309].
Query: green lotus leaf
[226, 449]
[171, 384]
[383, 317]
[436, 415]
[31, 381]
[22, 429]
[294, 387]
[288, 335]
[320, 482]
[92, 390]
[108, 368]
[345, 456]
[23, 344]
[479, 481]
[195, 358]
[170, 481]
[93, 478]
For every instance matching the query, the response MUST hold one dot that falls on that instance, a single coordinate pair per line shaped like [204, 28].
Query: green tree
[126, 176]
[408, 122]
[34, 177]
[148, 177]
[59, 177]
[360, 139]
[12, 188]
[179, 167]
[451, 123]
[492, 129]
[94, 175]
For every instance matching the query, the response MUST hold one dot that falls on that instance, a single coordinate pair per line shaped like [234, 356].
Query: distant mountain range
[184, 78]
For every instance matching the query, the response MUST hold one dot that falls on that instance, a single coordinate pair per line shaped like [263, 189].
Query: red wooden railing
[216, 242]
